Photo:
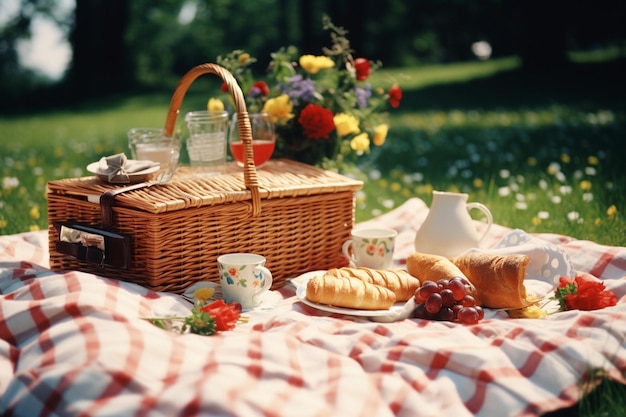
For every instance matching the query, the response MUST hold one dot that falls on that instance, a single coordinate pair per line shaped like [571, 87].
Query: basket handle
[245, 130]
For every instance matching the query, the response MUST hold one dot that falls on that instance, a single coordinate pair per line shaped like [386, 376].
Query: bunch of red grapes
[447, 300]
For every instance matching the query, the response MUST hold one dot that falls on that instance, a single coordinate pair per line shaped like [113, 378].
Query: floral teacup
[243, 278]
[370, 248]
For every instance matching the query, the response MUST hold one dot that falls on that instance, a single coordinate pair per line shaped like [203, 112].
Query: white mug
[370, 248]
[244, 278]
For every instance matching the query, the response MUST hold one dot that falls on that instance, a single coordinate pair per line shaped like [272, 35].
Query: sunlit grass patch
[543, 170]
[24, 175]
[548, 166]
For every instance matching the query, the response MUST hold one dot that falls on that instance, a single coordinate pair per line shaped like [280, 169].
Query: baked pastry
[499, 279]
[429, 267]
[348, 291]
[362, 288]
[400, 282]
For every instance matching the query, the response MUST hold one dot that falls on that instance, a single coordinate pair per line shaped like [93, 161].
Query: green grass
[544, 151]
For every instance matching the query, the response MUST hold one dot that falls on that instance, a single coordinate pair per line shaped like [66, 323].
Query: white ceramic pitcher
[449, 229]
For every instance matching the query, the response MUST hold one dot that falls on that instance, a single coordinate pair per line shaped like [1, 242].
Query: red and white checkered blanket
[75, 344]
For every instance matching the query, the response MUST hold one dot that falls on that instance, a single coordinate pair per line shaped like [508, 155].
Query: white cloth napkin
[547, 261]
[118, 168]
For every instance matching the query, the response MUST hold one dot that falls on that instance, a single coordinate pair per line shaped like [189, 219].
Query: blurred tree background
[122, 46]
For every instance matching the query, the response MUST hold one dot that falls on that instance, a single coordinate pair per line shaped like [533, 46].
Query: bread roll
[347, 291]
[429, 267]
[400, 282]
[499, 279]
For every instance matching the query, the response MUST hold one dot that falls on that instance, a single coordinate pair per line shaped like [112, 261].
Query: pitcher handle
[487, 213]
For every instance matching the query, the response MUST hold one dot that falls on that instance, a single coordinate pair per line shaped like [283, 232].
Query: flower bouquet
[325, 111]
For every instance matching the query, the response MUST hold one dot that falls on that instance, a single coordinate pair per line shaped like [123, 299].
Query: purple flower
[298, 88]
[363, 94]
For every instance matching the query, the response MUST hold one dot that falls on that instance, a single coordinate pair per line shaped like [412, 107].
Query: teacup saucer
[270, 299]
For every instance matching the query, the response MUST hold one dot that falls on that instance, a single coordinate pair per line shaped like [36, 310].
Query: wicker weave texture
[295, 215]
[172, 250]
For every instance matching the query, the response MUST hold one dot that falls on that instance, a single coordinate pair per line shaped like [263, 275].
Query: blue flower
[363, 94]
[298, 88]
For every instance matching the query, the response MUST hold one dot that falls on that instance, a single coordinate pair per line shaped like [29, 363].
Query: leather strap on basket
[245, 131]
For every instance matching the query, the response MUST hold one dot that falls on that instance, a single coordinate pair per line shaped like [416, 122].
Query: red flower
[395, 95]
[584, 292]
[316, 121]
[225, 315]
[224, 88]
[258, 89]
[362, 67]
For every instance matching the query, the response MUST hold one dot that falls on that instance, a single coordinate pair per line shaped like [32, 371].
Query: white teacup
[370, 248]
[244, 278]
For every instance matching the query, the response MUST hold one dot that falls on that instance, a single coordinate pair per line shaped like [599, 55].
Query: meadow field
[543, 150]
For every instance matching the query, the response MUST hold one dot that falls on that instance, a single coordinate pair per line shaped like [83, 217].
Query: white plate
[135, 177]
[300, 284]
[540, 289]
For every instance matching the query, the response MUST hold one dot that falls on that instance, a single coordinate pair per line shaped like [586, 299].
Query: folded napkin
[547, 261]
[118, 169]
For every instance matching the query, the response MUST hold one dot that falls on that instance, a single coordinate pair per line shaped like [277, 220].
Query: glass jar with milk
[150, 144]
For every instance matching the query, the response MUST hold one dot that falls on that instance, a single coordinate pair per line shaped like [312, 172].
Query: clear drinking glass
[206, 144]
[263, 138]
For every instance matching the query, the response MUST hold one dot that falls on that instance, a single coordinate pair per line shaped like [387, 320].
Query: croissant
[498, 278]
[400, 282]
[350, 292]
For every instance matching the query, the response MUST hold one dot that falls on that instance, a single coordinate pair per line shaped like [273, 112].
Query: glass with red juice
[263, 138]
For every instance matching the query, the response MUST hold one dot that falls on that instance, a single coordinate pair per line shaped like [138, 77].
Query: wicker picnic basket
[168, 236]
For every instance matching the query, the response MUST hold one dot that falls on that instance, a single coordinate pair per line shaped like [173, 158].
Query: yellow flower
[215, 104]
[533, 311]
[478, 183]
[585, 185]
[243, 58]
[380, 134]
[203, 294]
[360, 143]
[346, 124]
[593, 160]
[34, 212]
[314, 64]
[611, 211]
[565, 158]
[279, 108]
[3, 223]
[425, 189]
